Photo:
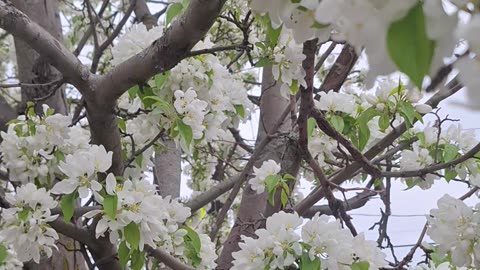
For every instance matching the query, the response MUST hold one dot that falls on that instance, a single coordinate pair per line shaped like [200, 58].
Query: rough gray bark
[34, 69]
[167, 171]
[7, 113]
[253, 207]
[167, 162]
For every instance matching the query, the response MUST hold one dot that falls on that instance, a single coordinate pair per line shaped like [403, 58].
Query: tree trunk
[253, 207]
[167, 171]
[33, 69]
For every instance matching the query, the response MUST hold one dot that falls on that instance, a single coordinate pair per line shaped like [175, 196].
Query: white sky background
[408, 207]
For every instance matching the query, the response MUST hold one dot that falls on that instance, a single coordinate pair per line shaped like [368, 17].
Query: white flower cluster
[134, 41]
[193, 110]
[454, 141]
[455, 227]
[279, 246]
[155, 218]
[33, 146]
[25, 225]
[10, 262]
[442, 266]
[269, 167]
[287, 66]
[81, 169]
[362, 23]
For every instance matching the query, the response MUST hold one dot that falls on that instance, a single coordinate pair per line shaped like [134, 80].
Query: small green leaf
[67, 204]
[409, 46]
[311, 124]
[192, 245]
[123, 254]
[407, 111]
[161, 78]
[240, 110]
[185, 132]
[363, 136]
[307, 264]
[138, 260]
[110, 205]
[360, 266]
[367, 115]
[173, 10]
[271, 182]
[283, 197]
[23, 215]
[263, 62]
[289, 177]
[450, 174]
[122, 125]
[3, 253]
[450, 152]
[383, 122]
[294, 87]
[132, 235]
[337, 123]
[59, 155]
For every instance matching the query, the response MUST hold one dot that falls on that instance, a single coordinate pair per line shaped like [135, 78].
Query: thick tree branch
[20, 26]
[165, 52]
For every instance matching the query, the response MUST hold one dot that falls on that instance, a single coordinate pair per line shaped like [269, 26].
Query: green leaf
[367, 115]
[272, 34]
[110, 205]
[122, 125]
[363, 136]
[307, 264]
[289, 177]
[59, 155]
[409, 46]
[23, 215]
[450, 152]
[360, 266]
[294, 87]
[173, 10]
[450, 174]
[192, 245]
[337, 123]
[161, 78]
[138, 260]
[383, 122]
[3, 253]
[407, 111]
[263, 62]
[272, 181]
[132, 92]
[240, 110]
[283, 197]
[67, 204]
[185, 132]
[132, 235]
[311, 124]
[123, 254]
[192, 238]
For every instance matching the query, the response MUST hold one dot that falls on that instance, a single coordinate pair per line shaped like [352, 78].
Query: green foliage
[132, 235]
[192, 245]
[185, 131]
[409, 46]
[360, 266]
[307, 264]
[110, 205]
[3, 253]
[67, 204]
